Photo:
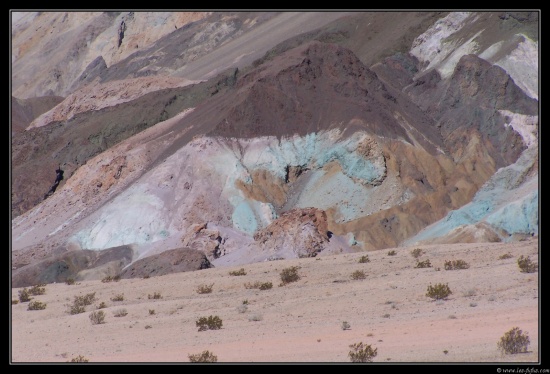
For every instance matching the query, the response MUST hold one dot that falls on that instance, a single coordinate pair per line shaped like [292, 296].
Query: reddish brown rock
[303, 231]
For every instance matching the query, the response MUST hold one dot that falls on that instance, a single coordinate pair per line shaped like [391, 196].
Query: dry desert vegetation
[378, 299]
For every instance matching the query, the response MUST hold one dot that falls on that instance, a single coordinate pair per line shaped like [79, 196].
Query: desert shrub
[97, 317]
[155, 295]
[358, 274]
[265, 286]
[79, 358]
[242, 308]
[245, 302]
[392, 253]
[120, 312]
[87, 299]
[345, 325]
[119, 297]
[362, 352]
[258, 285]
[151, 312]
[238, 272]
[36, 305]
[107, 279]
[456, 265]
[423, 264]
[14, 301]
[76, 309]
[80, 303]
[70, 281]
[526, 265]
[24, 295]
[417, 252]
[205, 356]
[439, 291]
[102, 305]
[364, 259]
[514, 341]
[289, 275]
[505, 256]
[147, 276]
[205, 288]
[209, 323]
[387, 315]
[255, 317]
[37, 290]
[470, 292]
[147, 327]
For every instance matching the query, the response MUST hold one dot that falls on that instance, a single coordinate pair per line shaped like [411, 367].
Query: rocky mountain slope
[254, 136]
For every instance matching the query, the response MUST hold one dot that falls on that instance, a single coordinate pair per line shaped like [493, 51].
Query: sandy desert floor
[300, 321]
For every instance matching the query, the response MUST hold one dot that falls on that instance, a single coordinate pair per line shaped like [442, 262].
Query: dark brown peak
[311, 60]
[475, 79]
[472, 62]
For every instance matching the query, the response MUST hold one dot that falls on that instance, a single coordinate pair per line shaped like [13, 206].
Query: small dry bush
[76, 309]
[155, 296]
[205, 288]
[265, 286]
[505, 256]
[24, 295]
[439, 291]
[209, 323]
[392, 253]
[14, 301]
[255, 317]
[423, 264]
[108, 279]
[242, 308]
[119, 297]
[120, 312]
[526, 265]
[102, 305]
[346, 325]
[238, 272]
[362, 352]
[37, 290]
[259, 285]
[70, 281]
[80, 303]
[151, 312]
[205, 356]
[364, 259]
[456, 265]
[97, 317]
[36, 305]
[87, 299]
[358, 274]
[417, 252]
[514, 341]
[290, 274]
[79, 358]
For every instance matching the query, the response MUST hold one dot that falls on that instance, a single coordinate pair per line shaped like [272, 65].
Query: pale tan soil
[301, 322]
